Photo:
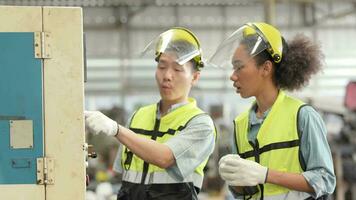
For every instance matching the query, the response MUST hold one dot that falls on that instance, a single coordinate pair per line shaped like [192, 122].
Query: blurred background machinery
[119, 81]
[345, 151]
[342, 124]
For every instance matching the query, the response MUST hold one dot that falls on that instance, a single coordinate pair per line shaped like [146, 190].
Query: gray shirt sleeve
[316, 152]
[191, 146]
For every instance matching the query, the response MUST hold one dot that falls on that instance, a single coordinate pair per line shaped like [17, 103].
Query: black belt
[172, 191]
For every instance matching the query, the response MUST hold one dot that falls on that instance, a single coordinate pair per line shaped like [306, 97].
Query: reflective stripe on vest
[145, 123]
[160, 178]
[277, 143]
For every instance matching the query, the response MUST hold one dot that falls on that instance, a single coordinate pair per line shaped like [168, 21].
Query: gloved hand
[237, 171]
[97, 123]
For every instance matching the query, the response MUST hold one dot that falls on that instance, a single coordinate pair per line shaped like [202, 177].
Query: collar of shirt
[255, 123]
[173, 107]
[253, 120]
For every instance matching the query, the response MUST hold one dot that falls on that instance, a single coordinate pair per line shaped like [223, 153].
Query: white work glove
[97, 123]
[237, 171]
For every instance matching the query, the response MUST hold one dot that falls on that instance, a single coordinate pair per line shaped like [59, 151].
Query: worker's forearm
[148, 150]
[292, 181]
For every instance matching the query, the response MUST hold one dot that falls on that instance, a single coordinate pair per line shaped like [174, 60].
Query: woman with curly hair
[281, 150]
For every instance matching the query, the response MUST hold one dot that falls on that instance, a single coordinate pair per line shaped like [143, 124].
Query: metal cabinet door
[41, 103]
[21, 106]
[63, 97]
[21, 134]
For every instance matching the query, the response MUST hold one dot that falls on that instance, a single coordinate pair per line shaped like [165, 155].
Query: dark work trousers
[173, 191]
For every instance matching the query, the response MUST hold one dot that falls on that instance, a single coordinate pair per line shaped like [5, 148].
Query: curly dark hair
[301, 58]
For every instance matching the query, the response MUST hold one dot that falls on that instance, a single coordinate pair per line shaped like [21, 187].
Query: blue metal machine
[21, 120]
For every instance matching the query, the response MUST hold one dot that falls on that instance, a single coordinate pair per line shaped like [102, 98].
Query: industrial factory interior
[90, 106]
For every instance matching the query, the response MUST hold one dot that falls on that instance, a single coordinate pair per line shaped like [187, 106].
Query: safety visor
[176, 43]
[247, 37]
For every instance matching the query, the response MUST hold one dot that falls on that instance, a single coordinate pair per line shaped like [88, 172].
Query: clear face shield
[177, 43]
[246, 38]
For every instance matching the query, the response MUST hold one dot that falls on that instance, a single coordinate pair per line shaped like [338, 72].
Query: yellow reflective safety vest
[145, 123]
[277, 143]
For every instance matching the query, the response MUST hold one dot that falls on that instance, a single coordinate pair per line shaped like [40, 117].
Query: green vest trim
[276, 146]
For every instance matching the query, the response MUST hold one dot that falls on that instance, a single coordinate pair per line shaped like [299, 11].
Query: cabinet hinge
[42, 45]
[45, 171]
